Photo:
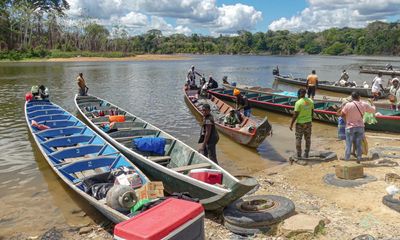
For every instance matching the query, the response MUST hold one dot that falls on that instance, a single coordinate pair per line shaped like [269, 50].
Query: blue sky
[227, 17]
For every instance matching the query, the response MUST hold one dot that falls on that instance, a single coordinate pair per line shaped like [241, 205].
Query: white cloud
[323, 14]
[182, 15]
[133, 20]
[233, 18]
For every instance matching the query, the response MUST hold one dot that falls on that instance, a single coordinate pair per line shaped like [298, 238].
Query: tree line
[40, 28]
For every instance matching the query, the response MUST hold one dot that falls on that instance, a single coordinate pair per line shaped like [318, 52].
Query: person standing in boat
[191, 77]
[242, 102]
[312, 83]
[344, 79]
[209, 136]
[377, 87]
[83, 89]
[302, 115]
[353, 114]
[394, 95]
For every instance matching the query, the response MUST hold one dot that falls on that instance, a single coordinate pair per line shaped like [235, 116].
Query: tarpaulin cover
[150, 144]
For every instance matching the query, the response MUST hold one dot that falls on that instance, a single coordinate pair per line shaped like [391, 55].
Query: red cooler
[172, 219]
[211, 176]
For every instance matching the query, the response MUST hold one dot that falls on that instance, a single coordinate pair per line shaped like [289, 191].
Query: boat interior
[177, 156]
[77, 152]
[287, 100]
[219, 109]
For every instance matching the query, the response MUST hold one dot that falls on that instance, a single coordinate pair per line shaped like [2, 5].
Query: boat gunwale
[217, 190]
[288, 106]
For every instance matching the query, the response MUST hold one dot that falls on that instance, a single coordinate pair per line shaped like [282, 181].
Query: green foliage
[335, 49]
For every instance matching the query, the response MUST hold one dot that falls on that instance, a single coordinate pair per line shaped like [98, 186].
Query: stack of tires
[254, 214]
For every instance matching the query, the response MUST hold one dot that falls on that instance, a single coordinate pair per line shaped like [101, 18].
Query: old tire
[282, 208]
[364, 237]
[246, 231]
[252, 191]
[391, 202]
[331, 179]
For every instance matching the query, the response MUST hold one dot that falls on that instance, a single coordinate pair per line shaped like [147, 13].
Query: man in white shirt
[377, 87]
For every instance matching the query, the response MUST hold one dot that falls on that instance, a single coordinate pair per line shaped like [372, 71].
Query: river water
[33, 199]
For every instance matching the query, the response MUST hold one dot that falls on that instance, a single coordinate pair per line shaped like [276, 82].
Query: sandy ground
[144, 57]
[347, 212]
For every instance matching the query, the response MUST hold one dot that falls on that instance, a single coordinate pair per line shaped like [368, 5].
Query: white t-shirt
[375, 85]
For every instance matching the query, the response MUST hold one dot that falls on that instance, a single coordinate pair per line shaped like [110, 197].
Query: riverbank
[78, 58]
[347, 212]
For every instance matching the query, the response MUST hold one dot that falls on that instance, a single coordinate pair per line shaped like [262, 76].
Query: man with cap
[302, 115]
[191, 77]
[209, 136]
[231, 119]
[242, 102]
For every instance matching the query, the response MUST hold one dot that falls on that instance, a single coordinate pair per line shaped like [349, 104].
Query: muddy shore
[347, 212]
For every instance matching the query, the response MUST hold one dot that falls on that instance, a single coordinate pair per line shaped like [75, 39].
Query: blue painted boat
[75, 152]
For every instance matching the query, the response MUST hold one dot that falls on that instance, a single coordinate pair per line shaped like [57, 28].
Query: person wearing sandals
[353, 113]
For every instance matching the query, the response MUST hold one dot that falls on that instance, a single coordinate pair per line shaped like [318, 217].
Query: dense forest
[40, 28]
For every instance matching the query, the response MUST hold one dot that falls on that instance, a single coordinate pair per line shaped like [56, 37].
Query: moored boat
[382, 103]
[248, 132]
[76, 153]
[172, 166]
[326, 85]
[376, 70]
[325, 111]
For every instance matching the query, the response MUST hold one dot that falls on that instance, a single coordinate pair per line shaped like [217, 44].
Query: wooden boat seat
[67, 141]
[191, 167]
[159, 158]
[41, 107]
[58, 123]
[224, 109]
[51, 117]
[76, 152]
[244, 122]
[45, 112]
[56, 132]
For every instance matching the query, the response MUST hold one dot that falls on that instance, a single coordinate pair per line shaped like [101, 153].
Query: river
[34, 199]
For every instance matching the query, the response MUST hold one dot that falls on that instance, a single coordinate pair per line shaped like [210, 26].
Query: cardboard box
[151, 190]
[349, 171]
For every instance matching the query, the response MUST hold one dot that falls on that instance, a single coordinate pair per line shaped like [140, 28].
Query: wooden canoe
[171, 168]
[376, 70]
[388, 120]
[383, 103]
[75, 152]
[249, 132]
[326, 85]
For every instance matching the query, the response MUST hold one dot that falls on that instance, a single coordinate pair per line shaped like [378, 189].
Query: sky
[227, 17]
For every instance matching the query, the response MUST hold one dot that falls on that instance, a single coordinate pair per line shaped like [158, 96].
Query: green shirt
[304, 106]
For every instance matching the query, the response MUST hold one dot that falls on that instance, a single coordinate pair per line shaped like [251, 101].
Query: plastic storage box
[172, 219]
[211, 176]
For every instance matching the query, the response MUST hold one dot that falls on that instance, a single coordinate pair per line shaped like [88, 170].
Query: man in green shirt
[303, 111]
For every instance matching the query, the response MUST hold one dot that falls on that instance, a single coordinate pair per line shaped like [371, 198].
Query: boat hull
[364, 92]
[376, 71]
[108, 212]
[240, 136]
[211, 197]
[385, 123]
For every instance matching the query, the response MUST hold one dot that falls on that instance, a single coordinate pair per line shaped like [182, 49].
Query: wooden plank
[190, 167]
[159, 158]
[79, 175]
[88, 173]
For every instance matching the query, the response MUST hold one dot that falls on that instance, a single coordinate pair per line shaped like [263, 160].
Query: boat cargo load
[171, 219]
